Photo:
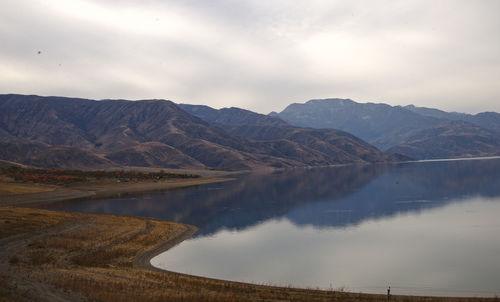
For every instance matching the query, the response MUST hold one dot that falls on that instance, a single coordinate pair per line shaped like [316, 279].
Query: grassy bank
[57, 256]
[25, 186]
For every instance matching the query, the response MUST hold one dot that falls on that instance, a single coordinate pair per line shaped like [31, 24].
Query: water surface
[427, 228]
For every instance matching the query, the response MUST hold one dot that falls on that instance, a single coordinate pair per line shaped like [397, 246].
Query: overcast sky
[255, 54]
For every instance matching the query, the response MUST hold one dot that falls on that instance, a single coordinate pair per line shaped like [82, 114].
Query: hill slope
[296, 142]
[155, 133]
[488, 120]
[450, 139]
[414, 131]
[232, 116]
[52, 157]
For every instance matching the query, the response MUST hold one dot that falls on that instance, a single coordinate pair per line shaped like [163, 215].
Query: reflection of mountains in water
[250, 199]
[411, 188]
[259, 197]
[322, 197]
[347, 196]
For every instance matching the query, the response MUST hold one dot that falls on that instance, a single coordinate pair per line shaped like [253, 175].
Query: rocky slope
[295, 142]
[156, 133]
[52, 156]
[415, 131]
[450, 139]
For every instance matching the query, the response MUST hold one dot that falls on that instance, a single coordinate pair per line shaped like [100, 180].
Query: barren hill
[154, 133]
[418, 132]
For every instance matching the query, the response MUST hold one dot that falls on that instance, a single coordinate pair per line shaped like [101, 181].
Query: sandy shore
[101, 190]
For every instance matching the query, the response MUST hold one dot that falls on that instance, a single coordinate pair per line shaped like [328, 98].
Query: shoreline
[142, 257]
[144, 261]
[73, 256]
[102, 190]
[99, 190]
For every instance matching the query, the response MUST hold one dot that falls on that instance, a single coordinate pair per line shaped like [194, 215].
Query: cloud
[254, 54]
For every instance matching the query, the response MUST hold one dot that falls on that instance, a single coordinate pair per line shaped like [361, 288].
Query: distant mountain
[450, 139]
[488, 120]
[292, 141]
[415, 131]
[379, 124]
[153, 133]
[232, 116]
[432, 112]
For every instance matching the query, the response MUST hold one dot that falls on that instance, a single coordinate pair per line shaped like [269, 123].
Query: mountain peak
[338, 101]
[387, 126]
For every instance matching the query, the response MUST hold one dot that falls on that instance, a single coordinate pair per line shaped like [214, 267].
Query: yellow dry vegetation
[9, 187]
[18, 188]
[15, 221]
[80, 256]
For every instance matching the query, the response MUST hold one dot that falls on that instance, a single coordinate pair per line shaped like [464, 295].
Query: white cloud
[254, 54]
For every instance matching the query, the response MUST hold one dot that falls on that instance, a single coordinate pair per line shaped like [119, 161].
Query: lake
[423, 228]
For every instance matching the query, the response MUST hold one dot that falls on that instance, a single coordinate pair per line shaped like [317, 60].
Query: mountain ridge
[259, 127]
[157, 132]
[396, 128]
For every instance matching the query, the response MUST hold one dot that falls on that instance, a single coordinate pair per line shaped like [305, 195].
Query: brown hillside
[111, 132]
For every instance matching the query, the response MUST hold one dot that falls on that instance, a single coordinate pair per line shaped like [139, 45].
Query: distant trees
[60, 176]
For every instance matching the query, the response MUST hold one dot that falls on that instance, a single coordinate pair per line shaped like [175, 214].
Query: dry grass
[8, 188]
[15, 193]
[21, 220]
[92, 255]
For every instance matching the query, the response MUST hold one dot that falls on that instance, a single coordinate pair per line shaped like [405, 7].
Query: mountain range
[63, 132]
[59, 132]
[419, 132]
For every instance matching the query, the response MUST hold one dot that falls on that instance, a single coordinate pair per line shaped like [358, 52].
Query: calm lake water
[426, 228]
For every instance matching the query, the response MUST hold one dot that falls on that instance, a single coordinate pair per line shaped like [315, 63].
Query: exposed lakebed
[426, 228]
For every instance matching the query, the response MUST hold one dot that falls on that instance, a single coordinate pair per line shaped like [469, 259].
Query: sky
[254, 54]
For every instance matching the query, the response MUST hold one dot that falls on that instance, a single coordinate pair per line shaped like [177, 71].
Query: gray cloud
[259, 55]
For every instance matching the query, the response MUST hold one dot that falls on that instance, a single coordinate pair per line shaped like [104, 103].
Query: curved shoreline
[99, 271]
[143, 260]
